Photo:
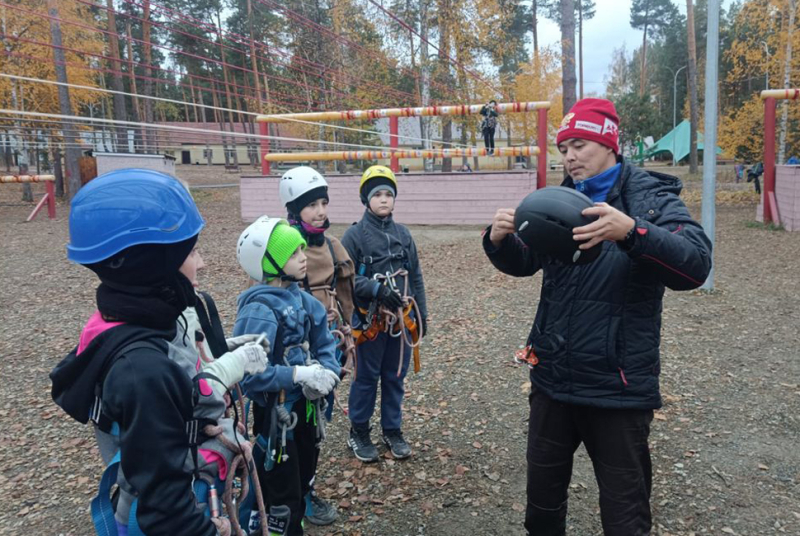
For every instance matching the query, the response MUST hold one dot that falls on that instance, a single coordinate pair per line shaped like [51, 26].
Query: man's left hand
[610, 225]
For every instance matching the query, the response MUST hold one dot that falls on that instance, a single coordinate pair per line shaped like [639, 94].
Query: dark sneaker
[318, 511]
[362, 445]
[394, 440]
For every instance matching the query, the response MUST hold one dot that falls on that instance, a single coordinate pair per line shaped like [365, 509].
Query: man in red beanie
[598, 326]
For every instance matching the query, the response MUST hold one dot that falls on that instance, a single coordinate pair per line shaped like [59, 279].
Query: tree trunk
[444, 70]
[568, 54]
[148, 77]
[424, 122]
[138, 136]
[787, 77]
[643, 62]
[120, 113]
[692, 73]
[253, 55]
[58, 172]
[534, 29]
[220, 118]
[22, 153]
[194, 102]
[65, 107]
[580, 44]
[231, 119]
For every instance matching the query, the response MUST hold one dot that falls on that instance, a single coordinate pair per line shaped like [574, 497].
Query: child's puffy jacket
[302, 318]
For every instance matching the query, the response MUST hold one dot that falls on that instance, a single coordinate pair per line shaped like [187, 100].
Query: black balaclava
[143, 284]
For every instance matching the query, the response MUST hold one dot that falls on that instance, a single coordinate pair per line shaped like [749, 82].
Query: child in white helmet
[330, 278]
[290, 395]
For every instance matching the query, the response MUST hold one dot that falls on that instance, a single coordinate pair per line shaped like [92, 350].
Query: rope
[393, 318]
[244, 460]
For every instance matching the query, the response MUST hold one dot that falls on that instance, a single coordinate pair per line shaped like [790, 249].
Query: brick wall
[441, 198]
[787, 192]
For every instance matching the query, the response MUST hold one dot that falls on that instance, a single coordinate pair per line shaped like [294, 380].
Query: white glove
[317, 381]
[252, 357]
[235, 342]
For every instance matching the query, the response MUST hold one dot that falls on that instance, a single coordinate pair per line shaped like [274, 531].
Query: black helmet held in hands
[545, 219]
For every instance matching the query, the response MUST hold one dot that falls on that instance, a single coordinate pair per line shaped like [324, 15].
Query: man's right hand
[502, 225]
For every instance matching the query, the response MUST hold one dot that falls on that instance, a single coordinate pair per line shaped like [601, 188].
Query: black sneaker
[318, 511]
[394, 440]
[362, 445]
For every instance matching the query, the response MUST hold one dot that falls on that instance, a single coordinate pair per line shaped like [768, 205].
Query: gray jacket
[380, 245]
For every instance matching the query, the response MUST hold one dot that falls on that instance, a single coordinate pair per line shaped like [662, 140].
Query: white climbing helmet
[298, 181]
[253, 243]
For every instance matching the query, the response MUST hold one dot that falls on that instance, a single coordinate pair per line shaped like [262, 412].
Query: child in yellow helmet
[387, 266]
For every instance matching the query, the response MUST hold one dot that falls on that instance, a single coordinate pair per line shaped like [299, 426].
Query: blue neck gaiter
[597, 187]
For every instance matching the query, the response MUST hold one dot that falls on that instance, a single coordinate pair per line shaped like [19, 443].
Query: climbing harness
[396, 323]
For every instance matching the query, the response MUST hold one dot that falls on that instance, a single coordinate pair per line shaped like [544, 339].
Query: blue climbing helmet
[129, 207]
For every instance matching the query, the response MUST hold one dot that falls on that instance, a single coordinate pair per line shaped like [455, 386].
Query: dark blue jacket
[380, 245]
[598, 326]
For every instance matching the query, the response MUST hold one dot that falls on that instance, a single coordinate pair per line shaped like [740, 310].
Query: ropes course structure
[395, 154]
[140, 76]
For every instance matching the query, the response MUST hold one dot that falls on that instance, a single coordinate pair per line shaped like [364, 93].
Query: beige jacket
[321, 271]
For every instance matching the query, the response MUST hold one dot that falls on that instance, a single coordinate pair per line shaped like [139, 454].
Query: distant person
[465, 168]
[488, 125]
[738, 172]
[793, 161]
[754, 176]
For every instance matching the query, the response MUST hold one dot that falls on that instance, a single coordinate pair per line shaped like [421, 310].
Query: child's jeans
[378, 360]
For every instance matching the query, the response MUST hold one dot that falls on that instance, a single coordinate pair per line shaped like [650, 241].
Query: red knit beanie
[591, 119]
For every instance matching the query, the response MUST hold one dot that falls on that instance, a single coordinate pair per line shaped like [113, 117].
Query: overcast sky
[609, 29]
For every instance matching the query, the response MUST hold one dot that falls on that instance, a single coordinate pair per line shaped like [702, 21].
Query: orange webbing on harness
[385, 320]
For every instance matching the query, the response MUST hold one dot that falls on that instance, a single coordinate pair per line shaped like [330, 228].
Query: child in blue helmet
[135, 229]
[289, 396]
[388, 284]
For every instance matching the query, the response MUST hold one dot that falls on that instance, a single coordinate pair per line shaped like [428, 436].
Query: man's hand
[502, 225]
[610, 225]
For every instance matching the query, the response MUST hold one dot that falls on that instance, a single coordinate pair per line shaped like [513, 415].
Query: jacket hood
[76, 378]
[268, 291]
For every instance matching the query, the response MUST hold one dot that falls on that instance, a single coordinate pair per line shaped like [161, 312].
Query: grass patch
[764, 226]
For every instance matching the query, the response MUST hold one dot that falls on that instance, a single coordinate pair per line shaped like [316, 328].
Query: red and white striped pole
[541, 160]
[263, 130]
[770, 211]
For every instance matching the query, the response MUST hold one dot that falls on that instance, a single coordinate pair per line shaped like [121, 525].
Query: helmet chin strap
[283, 275]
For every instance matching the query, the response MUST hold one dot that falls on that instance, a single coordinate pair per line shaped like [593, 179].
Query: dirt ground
[724, 447]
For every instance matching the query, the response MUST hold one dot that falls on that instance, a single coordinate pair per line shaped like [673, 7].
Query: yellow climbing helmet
[376, 176]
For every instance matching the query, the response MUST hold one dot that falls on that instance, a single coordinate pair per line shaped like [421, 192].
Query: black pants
[290, 480]
[488, 139]
[616, 441]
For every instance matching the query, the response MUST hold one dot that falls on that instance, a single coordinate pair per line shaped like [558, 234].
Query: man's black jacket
[598, 326]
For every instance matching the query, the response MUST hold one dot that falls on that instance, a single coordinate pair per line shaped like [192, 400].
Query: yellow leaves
[29, 54]
[538, 81]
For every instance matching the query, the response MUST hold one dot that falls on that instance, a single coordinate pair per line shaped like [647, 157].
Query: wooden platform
[423, 198]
